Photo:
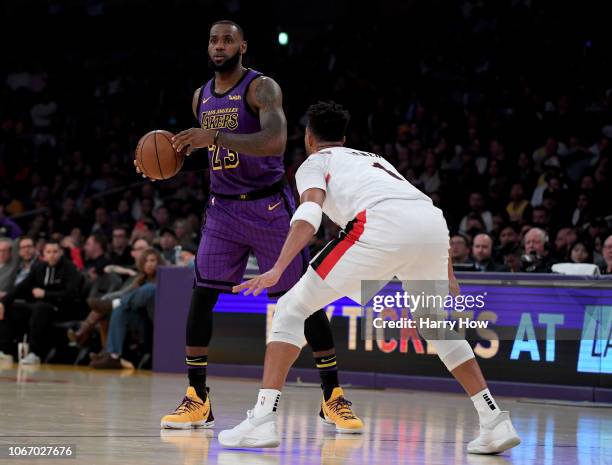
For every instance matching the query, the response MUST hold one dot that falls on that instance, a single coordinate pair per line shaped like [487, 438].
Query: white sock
[267, 402]
[115, 303]
[486, 406]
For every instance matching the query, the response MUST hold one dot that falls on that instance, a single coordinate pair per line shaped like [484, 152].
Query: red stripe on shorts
[340, 249]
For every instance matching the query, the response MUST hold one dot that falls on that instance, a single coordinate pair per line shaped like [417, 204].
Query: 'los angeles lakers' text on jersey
[353, 180]
[232, 172]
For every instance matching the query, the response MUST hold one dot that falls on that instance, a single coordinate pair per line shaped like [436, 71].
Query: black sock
[196, 370]
[328, 371]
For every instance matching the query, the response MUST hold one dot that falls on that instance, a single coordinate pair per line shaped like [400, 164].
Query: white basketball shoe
[495, 437]
[252, 433]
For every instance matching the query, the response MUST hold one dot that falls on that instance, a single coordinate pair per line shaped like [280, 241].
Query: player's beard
[228, 65]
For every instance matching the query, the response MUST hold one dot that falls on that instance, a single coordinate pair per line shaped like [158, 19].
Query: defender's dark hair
[328, 120]
[231, 23]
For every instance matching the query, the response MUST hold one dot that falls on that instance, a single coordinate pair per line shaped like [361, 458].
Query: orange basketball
[155, 156]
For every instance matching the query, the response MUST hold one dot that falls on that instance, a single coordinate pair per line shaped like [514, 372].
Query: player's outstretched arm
[264, 95]
[299, 236]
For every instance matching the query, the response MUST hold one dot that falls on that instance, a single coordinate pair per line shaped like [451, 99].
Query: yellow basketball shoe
[191, 413]
[337, 411]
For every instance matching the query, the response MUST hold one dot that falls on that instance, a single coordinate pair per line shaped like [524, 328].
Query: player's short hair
[328, 120]
[231, 23]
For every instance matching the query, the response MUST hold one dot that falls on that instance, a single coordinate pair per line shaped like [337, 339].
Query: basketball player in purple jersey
[243, 125]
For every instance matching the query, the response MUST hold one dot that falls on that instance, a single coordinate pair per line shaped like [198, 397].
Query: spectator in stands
[69, 218]
[460, 249]
[581, 253]
[120, 253]
[536, 258]
[167, 243]
[7, 273]
[482, 252]
[183, 232]
[552, 184]
[547, 156]
[70, 244]
[540, 217]
[474, 226]
[127, 310]
[582, 212]
[518, 204]
[162, 217]
[598, 245]
[8, 262]
[100, 307]
[477, 208]
[8, 228]
[563, 243]
[27, 259]
[607, 255]
[102, 225]
[50, 293]
[95, 255]
[511, 256]
[598, 227]
[430, 178]
[144, 228]
[509, 234]
[123, 214]
[524, 171]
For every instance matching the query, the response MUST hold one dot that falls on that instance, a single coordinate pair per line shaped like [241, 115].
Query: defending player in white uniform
[390, 229]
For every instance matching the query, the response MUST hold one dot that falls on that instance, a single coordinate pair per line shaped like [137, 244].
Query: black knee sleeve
[200, 319]
[318, 332]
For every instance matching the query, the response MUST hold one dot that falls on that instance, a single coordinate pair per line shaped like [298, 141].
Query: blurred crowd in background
[500, 111]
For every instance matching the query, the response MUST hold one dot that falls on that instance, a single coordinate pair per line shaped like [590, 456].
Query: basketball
[155, 156]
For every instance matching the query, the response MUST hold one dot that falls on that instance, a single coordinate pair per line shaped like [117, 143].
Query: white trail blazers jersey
[354, 181]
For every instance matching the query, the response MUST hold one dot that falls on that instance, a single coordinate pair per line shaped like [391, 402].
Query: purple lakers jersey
[232, 172]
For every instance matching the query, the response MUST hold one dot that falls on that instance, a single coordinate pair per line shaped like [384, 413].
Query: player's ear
[243, 47]
[308, 136]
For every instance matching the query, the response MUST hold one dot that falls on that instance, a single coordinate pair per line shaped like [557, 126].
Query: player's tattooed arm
[266, 97]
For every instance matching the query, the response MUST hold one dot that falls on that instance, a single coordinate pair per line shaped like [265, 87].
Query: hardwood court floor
[113, 417]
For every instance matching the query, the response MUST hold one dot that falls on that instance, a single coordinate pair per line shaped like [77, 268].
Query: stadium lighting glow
[283, 38]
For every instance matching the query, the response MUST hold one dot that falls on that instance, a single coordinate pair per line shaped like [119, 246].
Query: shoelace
[342, 408]
[187, 405]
